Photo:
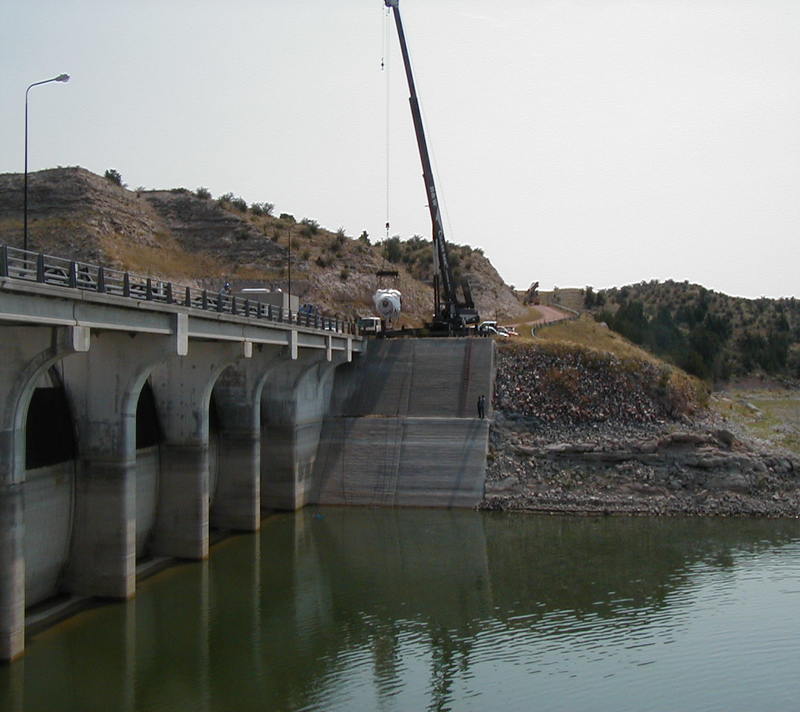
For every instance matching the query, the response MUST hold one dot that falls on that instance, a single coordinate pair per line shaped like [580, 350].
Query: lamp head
[62, 78]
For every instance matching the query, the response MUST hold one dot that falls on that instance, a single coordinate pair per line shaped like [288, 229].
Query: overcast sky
[597, 142]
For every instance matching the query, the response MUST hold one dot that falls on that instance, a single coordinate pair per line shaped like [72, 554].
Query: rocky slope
[178, 235]
[586, 432]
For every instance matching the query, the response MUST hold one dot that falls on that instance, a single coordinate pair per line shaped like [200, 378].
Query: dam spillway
[403, 428]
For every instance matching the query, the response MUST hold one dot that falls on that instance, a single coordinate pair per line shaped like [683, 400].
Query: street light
[59, 78]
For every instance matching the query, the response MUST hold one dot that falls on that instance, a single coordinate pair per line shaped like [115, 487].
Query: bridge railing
[46, 269]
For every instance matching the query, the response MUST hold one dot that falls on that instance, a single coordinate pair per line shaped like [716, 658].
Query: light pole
[59, 78]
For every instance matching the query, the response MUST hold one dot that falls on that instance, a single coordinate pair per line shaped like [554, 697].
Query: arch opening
[49, 428]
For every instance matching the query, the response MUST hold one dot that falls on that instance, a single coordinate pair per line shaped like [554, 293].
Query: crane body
[450, 313]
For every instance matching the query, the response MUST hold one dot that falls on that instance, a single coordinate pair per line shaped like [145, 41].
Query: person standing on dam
[482, 406]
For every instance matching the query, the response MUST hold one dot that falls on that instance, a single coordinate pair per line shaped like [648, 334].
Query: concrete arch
[23, 359]
[104, 386]
[182, 386]
[48, 500]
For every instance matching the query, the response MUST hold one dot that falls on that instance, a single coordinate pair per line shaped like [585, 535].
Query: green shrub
[113, 176]
[393, 249]
[203, 193]
[262, 208]
[310, 227]
[793, 360]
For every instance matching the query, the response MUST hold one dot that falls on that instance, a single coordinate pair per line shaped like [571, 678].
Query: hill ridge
[182, 234]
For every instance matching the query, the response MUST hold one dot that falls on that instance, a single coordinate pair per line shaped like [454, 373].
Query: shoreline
[699, 467]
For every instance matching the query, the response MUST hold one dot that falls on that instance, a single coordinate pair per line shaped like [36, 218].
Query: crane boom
[448, 311]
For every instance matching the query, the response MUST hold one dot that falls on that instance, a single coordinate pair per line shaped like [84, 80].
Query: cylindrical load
[387, 303]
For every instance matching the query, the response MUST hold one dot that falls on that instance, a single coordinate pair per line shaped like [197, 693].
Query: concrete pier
[293, 406]
[12, 568]
[237, 500]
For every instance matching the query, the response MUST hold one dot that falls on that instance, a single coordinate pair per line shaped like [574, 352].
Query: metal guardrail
[539, 323]
[575, 312]
[46, 269]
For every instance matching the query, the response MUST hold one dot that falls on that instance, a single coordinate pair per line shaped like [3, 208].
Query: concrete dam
[403, 428]
[135, 422]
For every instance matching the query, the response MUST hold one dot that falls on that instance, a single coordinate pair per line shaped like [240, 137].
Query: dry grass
[568, 296]
[533, 314]
[169, 261]
[44, 233]
[586, 333]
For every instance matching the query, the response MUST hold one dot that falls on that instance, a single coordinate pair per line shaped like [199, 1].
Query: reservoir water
[377, 609]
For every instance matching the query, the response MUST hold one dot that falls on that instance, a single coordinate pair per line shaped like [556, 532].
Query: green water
[368, 609]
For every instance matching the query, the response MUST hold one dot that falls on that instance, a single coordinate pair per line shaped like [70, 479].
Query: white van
[369, 325]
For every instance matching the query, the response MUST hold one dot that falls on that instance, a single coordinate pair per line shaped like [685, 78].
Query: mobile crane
[450, 314]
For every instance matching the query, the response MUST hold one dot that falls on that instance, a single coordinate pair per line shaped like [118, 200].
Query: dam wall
[130, 427]
[113, 456]
[403, 427]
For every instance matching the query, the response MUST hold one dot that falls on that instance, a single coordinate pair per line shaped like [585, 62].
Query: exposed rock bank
[618, 445]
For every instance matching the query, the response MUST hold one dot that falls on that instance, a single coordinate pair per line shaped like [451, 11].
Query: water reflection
[396, 609]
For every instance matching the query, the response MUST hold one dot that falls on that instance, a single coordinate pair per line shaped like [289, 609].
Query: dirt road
[548, 315]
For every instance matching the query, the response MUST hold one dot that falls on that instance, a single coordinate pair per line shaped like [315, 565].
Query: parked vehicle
[490, 328]
[369, 325]
[73, 275]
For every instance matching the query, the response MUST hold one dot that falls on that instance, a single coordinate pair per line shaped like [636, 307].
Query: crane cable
[385, 67]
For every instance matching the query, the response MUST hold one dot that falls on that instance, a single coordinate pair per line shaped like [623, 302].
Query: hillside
[709, 334]
[585, 421]
[573, 372]
[195, 239]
